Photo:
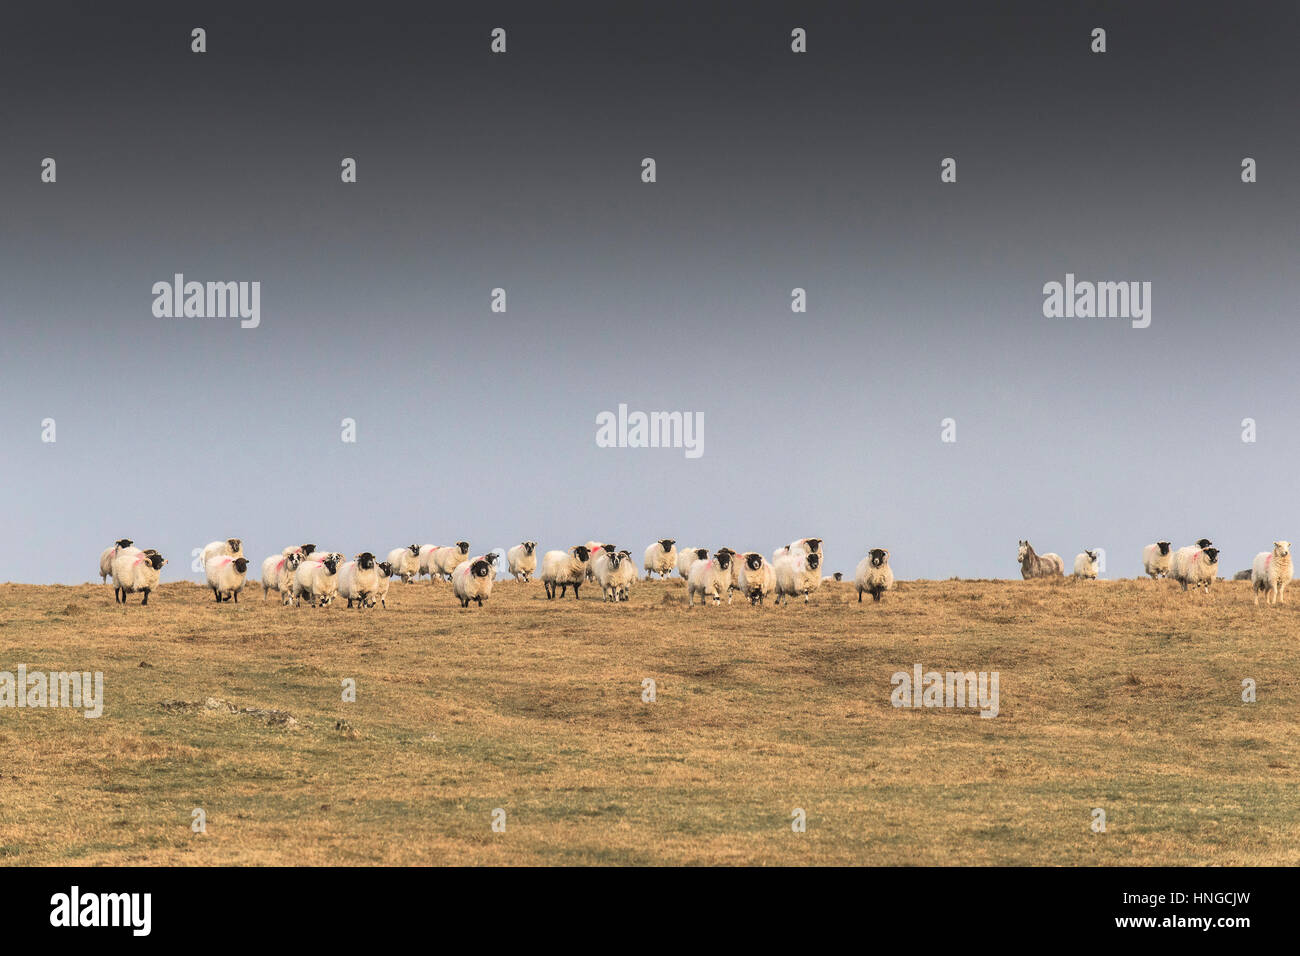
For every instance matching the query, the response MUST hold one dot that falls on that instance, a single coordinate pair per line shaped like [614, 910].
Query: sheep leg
[575, 592]
[146, 598]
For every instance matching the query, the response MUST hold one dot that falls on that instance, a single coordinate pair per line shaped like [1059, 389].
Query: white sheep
[521, 560]
[445, 560]
[595, 547]
[406, 561]
[359, 580]
[277, 574]
[797, 574]
[801, 546]
[106, 558]
[317, 581]
[226, 576]
[564, 569]
[687, 557]
[1085, 565]
[874, 576]
[1156, 559]
[472, 581]
[709, 577]
[427, 551]
[615, 573]
[660, 558]
[1270, 573]
[135, 570]
[381, 584]
[302, 550]
[756, 578]
[1196, 566]
[231, 546]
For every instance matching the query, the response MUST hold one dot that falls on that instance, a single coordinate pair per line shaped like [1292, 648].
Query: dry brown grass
[1122, 695]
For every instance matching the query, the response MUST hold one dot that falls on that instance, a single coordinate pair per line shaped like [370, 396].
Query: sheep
[734, 584]
[381, 585]
[358, 580]
[472, 581]
[615, 573]
[231, 546]
[407, 562]
[302, 550]
[688, 556]
[1243, 575]
[445, 560]
[1156, 559]
[1085, 565]
[801, 546]
[660, 558]
[521, 560]
[226, 576]
[874, 576]
[277, 574]
[317, 581]
[106, 558]
[755, 577]
[1271, 573]
[135, 570]
[797, 574]
[427, 552]
[710, 577]
[1195, 566]
[835, 578]
[595, 547]
[564, 569]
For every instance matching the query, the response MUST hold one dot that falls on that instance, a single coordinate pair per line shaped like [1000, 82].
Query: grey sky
[774, 171]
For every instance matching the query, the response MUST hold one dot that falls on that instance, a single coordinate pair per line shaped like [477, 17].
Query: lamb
[1271, 573]
[1195, 566]
[106, 558]
[277, 573]
[521, 560]
[381, 585]
[231, 546]
[710, 577]
[407, 562]
[564, 569]
[755, 577]
[1085, 565]
[801, 546]
[660, 558]
[874, 576]
[359, 579]
[797, 574]
[615, 573]
[226, 576]
[688, 556]
[836, 577]
[135, 570]
[446, 560]
[472, 581]
[1156, 559]
[317, 581]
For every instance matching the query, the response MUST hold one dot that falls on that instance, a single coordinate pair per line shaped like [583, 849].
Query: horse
[1039, 565]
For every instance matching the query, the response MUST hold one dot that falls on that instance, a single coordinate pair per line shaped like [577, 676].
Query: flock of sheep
[304, 573]
[1195, 566]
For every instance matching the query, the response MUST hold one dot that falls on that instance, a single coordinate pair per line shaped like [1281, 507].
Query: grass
[1122, 695]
